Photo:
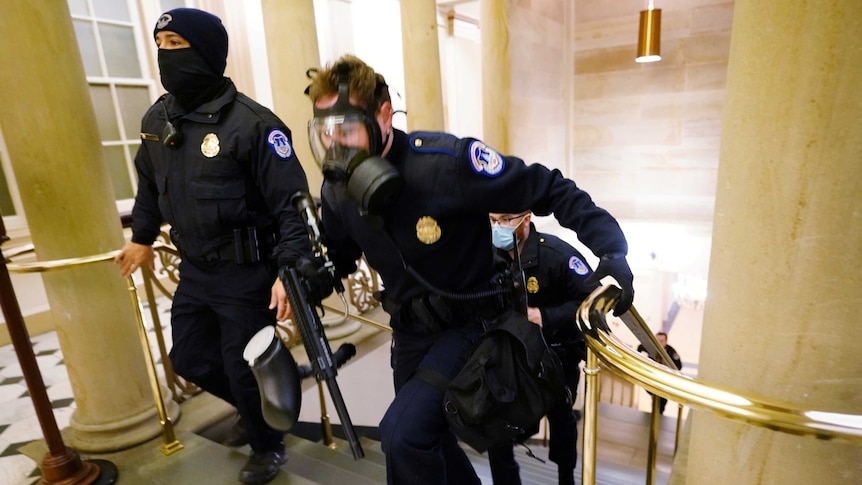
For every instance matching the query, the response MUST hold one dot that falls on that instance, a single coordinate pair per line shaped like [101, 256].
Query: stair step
[623, 437]
[533, 472]
[367, 438]
[373, 451]
[318, 462]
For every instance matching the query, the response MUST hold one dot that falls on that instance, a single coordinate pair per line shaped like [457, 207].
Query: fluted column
[291, 43]
[496, 73]
[422, 79]
[50, 130]
[782, 317]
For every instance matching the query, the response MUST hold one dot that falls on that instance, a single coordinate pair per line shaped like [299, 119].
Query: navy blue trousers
[215, 313]
[419, 446]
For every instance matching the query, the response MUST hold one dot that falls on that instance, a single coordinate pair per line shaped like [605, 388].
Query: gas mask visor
[340, 145]
[339, 142]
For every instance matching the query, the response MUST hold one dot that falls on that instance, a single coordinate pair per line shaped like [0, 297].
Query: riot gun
[303, 286]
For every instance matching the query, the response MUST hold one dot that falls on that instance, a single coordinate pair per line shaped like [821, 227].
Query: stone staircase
[623, 434]
[203, 459]
[206, 421]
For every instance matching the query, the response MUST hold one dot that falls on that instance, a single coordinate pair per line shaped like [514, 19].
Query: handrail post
[591, 409]
[653, 439]
[170, 444]
[170, 376]
[325, 425]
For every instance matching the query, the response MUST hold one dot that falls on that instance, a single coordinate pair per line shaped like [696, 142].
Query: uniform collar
[400, 147]
[530, 253]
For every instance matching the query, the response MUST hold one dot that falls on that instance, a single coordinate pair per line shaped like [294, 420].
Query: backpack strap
[436, 379]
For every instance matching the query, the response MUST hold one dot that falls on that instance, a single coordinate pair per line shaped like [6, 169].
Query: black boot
[262, 466]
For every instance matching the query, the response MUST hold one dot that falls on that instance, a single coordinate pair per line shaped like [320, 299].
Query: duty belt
[248, 245]
[437, 314]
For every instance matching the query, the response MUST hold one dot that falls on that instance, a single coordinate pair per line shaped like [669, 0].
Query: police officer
[220, 169]
[416, 205]
[674, 356]
[557, 279]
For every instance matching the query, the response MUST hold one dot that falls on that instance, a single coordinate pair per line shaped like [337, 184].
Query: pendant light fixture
[649, 35]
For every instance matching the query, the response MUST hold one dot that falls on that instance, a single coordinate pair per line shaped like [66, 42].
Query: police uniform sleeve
[674, 356]
[146, 217]
[278, 175]
[568, 273]
[341, 249]
[491, 182]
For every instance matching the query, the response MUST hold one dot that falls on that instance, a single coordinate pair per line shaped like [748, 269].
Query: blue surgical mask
[503, 237]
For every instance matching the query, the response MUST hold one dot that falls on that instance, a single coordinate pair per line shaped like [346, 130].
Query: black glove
[615, 265]
[317, 280]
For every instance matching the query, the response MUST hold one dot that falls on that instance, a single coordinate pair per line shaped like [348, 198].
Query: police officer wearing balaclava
[220, 169]
[416, 205]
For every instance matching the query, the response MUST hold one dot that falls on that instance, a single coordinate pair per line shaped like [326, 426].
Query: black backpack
[508, 384]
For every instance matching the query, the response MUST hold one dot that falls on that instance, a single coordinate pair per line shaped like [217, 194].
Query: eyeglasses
[509, 221]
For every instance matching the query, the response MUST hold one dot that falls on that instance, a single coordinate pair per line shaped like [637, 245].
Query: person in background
[557, 279]
[220, 169]
[416, 206]
[674, 356]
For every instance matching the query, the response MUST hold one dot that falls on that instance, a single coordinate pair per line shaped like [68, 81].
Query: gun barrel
[319, 352]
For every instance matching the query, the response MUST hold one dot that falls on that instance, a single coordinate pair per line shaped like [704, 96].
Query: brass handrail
[170, 444]
[42, 266]
[360, 319]
[672, 384]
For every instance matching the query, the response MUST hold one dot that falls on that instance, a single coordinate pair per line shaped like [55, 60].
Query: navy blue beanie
[203, 30]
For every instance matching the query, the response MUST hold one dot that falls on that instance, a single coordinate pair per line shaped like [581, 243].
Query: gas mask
[346, 142]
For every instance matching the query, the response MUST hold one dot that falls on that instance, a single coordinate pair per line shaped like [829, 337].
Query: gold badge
[209, 147]
[427, 230]
[532, 285]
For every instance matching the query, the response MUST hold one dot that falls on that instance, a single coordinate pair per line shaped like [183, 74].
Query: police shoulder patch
[578, 266]
[485, 160]
[279, 143]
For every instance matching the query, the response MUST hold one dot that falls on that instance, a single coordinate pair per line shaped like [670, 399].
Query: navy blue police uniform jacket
[236, 168]
[555, 274]
[439, 224]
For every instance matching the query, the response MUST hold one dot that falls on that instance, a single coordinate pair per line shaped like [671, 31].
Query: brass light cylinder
[649, 36]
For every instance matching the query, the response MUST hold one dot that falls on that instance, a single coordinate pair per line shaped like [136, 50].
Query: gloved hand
[615, 265]
[318, 280]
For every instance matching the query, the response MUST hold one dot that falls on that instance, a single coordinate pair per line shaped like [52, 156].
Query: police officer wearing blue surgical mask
[220, 169]
[416, 206]
[557, 279]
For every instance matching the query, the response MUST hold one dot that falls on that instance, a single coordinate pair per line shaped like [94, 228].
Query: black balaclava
[194, 75]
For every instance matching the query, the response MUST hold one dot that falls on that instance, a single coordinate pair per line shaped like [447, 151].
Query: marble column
[496, 73]
[422, 78]
[51, 133]
[782, 316]
[292, 48]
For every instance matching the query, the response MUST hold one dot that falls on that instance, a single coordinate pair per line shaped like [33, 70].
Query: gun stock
[319, 352]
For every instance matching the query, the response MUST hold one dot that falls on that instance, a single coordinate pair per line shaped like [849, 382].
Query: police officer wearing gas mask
[220, 169]
[557, 279]
[416, 205]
